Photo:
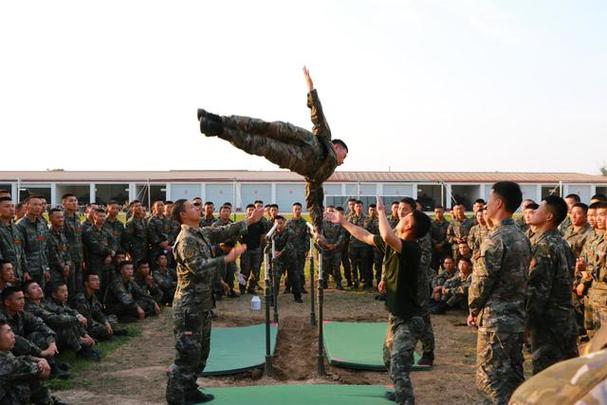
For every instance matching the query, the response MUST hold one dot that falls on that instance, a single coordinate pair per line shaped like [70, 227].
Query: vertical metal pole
[312, 300]
[18, 190]
[268, 296]
[149, 197]
[276, 281]
[320, 360]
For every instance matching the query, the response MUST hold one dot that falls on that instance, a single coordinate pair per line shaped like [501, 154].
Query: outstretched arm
[320, 128]
[358, 232]
[385, 230]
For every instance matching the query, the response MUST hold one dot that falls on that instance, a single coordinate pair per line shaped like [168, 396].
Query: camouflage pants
[427, 336]
[69, 337]
[98, 331]
[553, 343]
[75, 280]
[595, 309]
[284, 144]
[330, 266]
[192, 330]
[31, 392]
[250, 264]
[499, 365]
[359, 262]
[281, 267]
[378, 260]
[399, 345]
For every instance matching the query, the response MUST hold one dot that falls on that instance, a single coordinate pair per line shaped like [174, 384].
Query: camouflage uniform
[393, 220]
[152, 290]
[73, 234]
[550, 316]
[98, 246]
[475, 239]
[156, 236]
[60, 318]
[250, 261]
[285, 261]
[207, 221]
[427, 337]
[576, 239]
[359, 252]
[441, 278]
[457, 290]
[166, 279]
[372, 225]
[123, 297]
[301, 243]
[458, 230]
[440, 245]
[590, 257]
[91, 308]
[58, 252]
[597, 294]
[20, 382]
[31, 333]
[115, 229]
[565, 225]
[35, 236]
[231, 268]
[196, 270]
[309, 154]
[334, 234]
[135, 239]
[497, 299]
[11, 248]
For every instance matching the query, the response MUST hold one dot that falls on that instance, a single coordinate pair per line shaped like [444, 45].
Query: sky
[410, 85]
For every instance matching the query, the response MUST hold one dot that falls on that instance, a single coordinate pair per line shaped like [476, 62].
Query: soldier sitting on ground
[454, 292]
[146, 282]
[7, 275]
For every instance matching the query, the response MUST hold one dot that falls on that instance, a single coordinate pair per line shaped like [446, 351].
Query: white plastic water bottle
[255, 303]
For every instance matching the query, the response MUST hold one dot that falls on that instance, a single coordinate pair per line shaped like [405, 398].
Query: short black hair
[599, 196]
[208, 203]
[575, 197]
[479, 201]
[53, 210]
[557, 206]
[142, 262]
[178, 208]
[124, 263]
[394, 203]
[359, 202]
[351, 199]
[67, 195]
[421, 224]
[168, 202]
[601, 204]
[410, 202]
[340, 209]
[331, 206]
[56, 285]
[4, 261]
[277, 217]
[341, 143]
[2, 199]
[227, 204]
[250, 206]
[297, 203]
[87, 276]
[511, 194]
[465, 259]
[274, 205]
[258, 202]
[531, 206]
[581, 205]
[8, 292]
[439, 207]
[26, 285]
[112, 202]
[372, 206]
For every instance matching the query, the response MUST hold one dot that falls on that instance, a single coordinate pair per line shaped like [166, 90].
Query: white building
[284, 188]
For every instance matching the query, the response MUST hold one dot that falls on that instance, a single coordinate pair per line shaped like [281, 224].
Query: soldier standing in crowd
[458, 229]
[376, 257]
[393, 217]
[58, 249]
[597, 292]
[250, 261]
[550, 317]
[477, 233]
[11, 239]
[157, 237]
[438, 233]
[73, 233]
[34, 233]
[225, 246]
[311, 154]
[580, 230]
[89, 213]
[571, 200]
[208, 219]
[135, 237]
[301, 242]
[520, 221]
[196, 270]
[496, 298]
[345, 255]
[358, 251]
[283, 261]
[98, 246]
[331, 251]
[113, 226]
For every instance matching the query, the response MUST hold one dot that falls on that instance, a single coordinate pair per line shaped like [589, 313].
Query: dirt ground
[135, 372]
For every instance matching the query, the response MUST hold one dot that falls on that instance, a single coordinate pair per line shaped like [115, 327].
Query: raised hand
[308, 79]
[380, 204]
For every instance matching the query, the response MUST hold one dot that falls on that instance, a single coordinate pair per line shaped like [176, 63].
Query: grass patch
[79, 365]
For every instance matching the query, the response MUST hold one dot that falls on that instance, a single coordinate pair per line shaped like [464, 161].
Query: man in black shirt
[250, 261]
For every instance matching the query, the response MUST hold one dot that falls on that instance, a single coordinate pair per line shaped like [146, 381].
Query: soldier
[89, 213]
[225, 246]
[345, 257]
[357, 250]
[135, 237]
[145, 281]
[157, 237]
[35, 234]
[376, 258]
[58, 250]
[406, 285]
[98, 247]
[21, 376]
[250, 261]
[301, 242]
[73, 234]
[449, 270]
[20, 210]
[113, 226]
[393, 217]
[477, 206]
[166, 278]
[571, 200]
[11, 239]
[530, 231]
[597, 293]
[208, 219]
[550, 316]
[126, 300]
[171, 227]
[196, 270]
[477, 233]
[7, 275]
[438, 233]
[284, 259]
[458, 229]
[311, 154]
[88, 305]
[496, 298]
[331, 251]
[578, 232]
[454, 291]
[520, 221]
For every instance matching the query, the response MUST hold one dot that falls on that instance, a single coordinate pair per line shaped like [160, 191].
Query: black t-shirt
[253, 236]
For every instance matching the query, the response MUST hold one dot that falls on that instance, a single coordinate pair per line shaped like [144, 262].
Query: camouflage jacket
[116, 230]
[153, 290]
[550, 280]
[166, 279]
[599, 273]
[358, 221]
[459, 230]
[23, 325]
[565, 225]
[499, 280]
[58, 251]
[35, 235]
[285, 244]
[90, 307]
[135, 238]
[326, 160]
[334, 234]
[438, 233]
[372, 225]
[425, 260]
[457, 287]
[98, 246]
[196, 266]
[441, 278]
[171, 229]
[589, 252]
[73, 233]
[16, 375]
[56, 320]
[475, 238]
[156, 232]
[576, 238]
[301, 235]
[393, 220]
[11, 248]
[124, 294]
[204, 221]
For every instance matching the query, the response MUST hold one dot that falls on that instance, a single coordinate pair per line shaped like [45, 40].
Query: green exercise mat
[238, 349]
[358, 345]
[317, 394]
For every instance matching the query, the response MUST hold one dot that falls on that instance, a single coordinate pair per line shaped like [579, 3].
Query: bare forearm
[387, 234]
[359, 232]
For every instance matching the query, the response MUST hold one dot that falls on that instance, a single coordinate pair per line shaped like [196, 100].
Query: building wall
[287, 194]
[257, 191]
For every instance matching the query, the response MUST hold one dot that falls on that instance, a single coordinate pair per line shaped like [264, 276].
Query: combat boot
[197, 397]
[427, 360]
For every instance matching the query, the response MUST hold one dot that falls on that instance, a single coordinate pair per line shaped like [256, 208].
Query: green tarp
[238, 349]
